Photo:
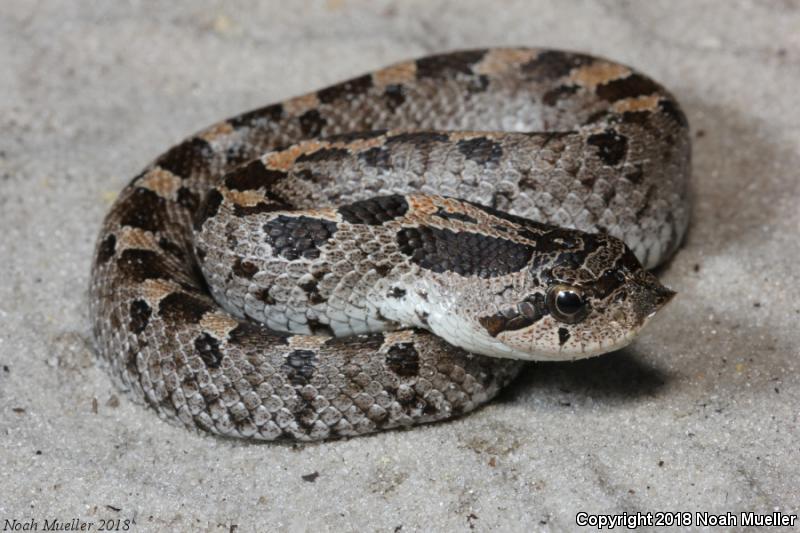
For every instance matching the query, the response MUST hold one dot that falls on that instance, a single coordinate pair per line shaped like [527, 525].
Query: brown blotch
[419, 139]
[671, 109]
[493, 324]
[188, 199]
[462, 252]
[403, 359]
[552, 96]
[244, 269]
[312, 290]
[271, 113]
[140, 265]
[295, 237]
[299, 366]
[374, 211]
[482, 150]
[252, 335]
[181, 307]
[140, 316]
[318, 328]
[553, 64]
[143, 209]
[348, 89]
[611, 146]
[171, 248]
[185, 158]
[376, 157]
[324, 154]
[106, 249]
[208, 209]
[253, 176]
[207, 348]
[263, 295]
[628, 87]
[383, 269]
[311, 123]
[394, 95]
[442, 65]
[261, 207]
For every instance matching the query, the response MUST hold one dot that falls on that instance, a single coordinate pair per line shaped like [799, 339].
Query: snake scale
[388, 251]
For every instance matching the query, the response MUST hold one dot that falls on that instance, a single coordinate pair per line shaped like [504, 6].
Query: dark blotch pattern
[670, 108]
[395, 96]
[208, 209]
[311, 288]
[295, 237]
[637, 117]
[311, 123]
[264, 296]
[140, 315]
[464, 253]
[463, 217]
[244, 269]
[253, 335]
[396, 292]
[347, 89]
[635, 176]
[611, 146]
[559, 240]
[318, 328]
[185, 158]
[269, 113]
[261, 207]
[375, 211]
[403, 359]
[181, 307]
[481, 150]
[629, 87]
[140, 265]
[419, 139]
[143, 209]
[377, 157]
[478, 84]
[527, 313]
[253, 176]
[552, 96]
[324, 154]
[553, 64]
[171, 248]
[299, 366]
[208, 349]
[188, 199]
[527, 225]
[563, 336]
[106, 249]
[444, 65]
[351, 136]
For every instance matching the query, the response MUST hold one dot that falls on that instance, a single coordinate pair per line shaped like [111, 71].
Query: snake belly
[561, 138]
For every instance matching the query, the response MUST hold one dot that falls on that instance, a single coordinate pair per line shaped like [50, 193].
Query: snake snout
[649, 297]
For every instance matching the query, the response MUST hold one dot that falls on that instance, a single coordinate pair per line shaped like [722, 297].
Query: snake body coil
[366, 226]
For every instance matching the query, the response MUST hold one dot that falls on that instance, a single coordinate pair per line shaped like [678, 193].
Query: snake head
[584, 295]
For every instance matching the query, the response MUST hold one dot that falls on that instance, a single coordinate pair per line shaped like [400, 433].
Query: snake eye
[567, 304]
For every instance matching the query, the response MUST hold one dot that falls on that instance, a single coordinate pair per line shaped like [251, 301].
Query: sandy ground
[700, 414]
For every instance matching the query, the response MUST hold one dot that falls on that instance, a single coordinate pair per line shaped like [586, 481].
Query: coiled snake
[367, 226]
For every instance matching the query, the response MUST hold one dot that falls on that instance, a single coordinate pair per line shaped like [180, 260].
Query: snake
[389, 251]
